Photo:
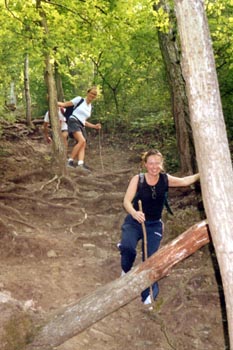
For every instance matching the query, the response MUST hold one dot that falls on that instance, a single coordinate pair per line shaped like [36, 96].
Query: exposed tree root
[80, 221]
[21, 222]
[59, 180]
[18, 179]
[49, 182]
[12, 210]
[89, 181]
[37, 200]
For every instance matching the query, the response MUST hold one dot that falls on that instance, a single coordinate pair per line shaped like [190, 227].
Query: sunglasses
[154, 194]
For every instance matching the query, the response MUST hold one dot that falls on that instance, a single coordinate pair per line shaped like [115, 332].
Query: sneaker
[122, 273]
[119, 246]
[84, 167]
[147, 300]
[70, 164]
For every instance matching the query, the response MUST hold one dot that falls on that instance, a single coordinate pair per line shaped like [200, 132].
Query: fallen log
[75, 318]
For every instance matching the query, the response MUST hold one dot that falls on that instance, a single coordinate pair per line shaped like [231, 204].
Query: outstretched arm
[174, 181]
[65, 104]
[93, 126]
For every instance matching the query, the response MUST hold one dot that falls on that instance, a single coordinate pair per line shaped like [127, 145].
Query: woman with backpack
[76, 125]
[152, 194]
[63, 124]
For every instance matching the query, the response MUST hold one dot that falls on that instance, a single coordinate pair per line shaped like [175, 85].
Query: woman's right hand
[48, 139]
[139, 216]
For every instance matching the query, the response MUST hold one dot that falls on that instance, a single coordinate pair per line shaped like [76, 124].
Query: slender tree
[59, 148]
[27, 91]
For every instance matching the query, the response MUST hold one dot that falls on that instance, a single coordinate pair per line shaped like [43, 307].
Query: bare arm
[93, 126]
[129, 196]
[65, 104]
[174, 181]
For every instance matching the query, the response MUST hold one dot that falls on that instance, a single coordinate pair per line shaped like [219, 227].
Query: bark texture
[170, 49]
[210, 137]
[27, 91]
[59, 149]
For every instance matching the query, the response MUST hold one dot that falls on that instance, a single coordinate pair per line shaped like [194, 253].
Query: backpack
[166, 203]
[69, 110]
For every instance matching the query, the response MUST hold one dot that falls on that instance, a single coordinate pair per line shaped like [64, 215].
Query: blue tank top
[152, 197]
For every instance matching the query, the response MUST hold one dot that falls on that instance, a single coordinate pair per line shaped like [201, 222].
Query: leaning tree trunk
[170, 50]
[210, 137]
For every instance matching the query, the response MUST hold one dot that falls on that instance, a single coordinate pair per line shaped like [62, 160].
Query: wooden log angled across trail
[75, 318]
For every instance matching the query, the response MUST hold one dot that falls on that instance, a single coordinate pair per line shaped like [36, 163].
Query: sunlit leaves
[161, 20]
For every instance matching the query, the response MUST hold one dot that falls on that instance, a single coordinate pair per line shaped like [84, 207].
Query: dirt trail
[58, 243]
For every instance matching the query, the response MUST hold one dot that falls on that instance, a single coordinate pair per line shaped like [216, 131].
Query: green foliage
[220, 16]
[156, 131]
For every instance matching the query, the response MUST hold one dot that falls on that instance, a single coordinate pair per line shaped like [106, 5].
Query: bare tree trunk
[60, 92]
[27, 92]
[210, 137]
[10, 101]
[59, 149]
[170, 50]
[75, 318]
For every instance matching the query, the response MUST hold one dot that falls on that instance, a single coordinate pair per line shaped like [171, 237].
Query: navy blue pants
[131, 234]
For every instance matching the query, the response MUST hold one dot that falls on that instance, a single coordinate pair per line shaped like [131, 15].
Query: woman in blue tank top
[152, 192]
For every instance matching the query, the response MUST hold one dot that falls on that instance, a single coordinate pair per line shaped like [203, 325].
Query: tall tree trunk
[171, 56]
[27, 92]
[212, 149]
[59, 87]
[59, 149]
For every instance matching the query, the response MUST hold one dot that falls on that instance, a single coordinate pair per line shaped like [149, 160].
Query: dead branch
[71, 320]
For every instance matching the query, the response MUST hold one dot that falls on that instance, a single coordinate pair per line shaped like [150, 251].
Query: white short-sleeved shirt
[82, 112]
[62, 119]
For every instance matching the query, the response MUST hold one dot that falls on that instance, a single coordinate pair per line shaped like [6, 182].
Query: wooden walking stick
[145, 243]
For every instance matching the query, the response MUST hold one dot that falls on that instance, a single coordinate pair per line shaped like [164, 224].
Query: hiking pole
[100, 148]
[145, 243]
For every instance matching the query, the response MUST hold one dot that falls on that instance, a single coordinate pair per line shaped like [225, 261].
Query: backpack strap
[79, 103]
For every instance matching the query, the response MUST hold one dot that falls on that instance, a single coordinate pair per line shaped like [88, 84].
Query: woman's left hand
[98, 126]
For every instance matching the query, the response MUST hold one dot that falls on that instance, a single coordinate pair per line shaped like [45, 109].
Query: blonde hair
[152, 152]
[92, 88]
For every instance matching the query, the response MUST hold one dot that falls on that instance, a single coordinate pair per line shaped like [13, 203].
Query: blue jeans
[131, 234]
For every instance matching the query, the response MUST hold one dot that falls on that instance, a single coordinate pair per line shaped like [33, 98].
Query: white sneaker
[122, 273]
[147, 300]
